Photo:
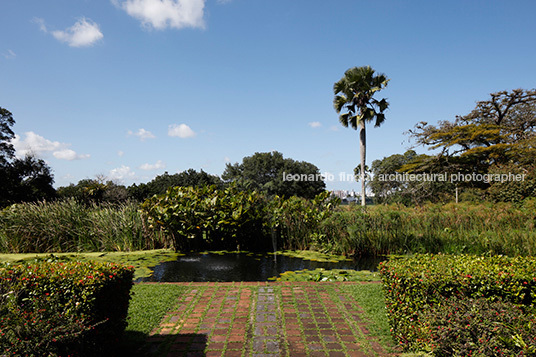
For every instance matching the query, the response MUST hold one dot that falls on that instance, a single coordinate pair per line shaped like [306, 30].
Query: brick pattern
[263, 320]
[266, 321]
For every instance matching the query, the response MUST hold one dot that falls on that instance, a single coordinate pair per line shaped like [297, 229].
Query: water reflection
[244, 267]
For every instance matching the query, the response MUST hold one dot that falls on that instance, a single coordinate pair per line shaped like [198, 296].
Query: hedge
[416, 284]
[480, 327]
[63, 308]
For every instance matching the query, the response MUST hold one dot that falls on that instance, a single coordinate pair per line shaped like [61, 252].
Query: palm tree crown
[354, 92]
[356, 106]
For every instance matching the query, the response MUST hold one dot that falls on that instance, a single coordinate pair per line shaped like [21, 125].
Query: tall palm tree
[356, 106]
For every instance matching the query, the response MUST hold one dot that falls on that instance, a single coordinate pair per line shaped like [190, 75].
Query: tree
[271, 173]
[7, 151]
[159, 185]
[356, 106]
[391, 183]
[21, 179]
[98, 190]
[385, 184]
[498, 135]
[33, 180]
[499, 131]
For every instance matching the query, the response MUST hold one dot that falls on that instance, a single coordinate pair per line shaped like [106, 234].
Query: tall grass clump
[452, 228]
[70, 226]
[295, 221]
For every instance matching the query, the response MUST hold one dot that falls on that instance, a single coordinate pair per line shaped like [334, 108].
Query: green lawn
[149, 304]
[370, 297]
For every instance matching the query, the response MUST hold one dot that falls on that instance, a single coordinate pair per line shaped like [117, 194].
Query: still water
[244, 267]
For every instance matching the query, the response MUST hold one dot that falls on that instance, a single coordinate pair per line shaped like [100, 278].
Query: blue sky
[129, 89]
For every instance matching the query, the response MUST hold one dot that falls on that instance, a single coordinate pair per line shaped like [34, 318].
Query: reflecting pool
[245, 267]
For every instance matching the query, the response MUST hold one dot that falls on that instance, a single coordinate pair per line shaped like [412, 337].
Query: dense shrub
[479, 327]
[208, 217]
[513, 190]
[51, 308]
[413, 284]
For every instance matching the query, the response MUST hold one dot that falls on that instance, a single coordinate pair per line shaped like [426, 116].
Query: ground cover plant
[321, 274]
[141, 261]
[457, 289]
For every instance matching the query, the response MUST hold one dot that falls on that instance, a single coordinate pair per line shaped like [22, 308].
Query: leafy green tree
[496, 131]
[96, 190]
[160, 184]
[389, 190]
[138, 192]
[271, 173]
[86, 191]
[21, 179]
[356, 106]
[392, 184]
[24, 180]
[512, 190]
[33, 180]
[115, 193]
[7, 151]
[499, 132]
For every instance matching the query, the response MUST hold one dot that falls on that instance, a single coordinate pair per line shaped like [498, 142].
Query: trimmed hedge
[413, 285]
[63, 308]
[480, 327]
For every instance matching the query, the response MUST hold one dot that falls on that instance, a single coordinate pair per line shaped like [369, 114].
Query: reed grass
[69, 226]
[485, 228]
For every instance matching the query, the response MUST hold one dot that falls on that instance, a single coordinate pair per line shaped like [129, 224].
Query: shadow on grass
[136, 344]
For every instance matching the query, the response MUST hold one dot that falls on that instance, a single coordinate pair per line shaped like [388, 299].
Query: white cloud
[82, 33]
[9, 54]
[68, 154]
[142, 134]
[41, 24]
[37, 145]
[182, 131]
[156, 166]
[121, 173]
[315, 124]
[227, 159]
[334, 128]
[161, 14]
[120, 153]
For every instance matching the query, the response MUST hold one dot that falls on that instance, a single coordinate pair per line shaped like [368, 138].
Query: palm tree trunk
[363, 152]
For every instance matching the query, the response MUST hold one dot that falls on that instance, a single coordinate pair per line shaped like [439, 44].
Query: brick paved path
[263, 320]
